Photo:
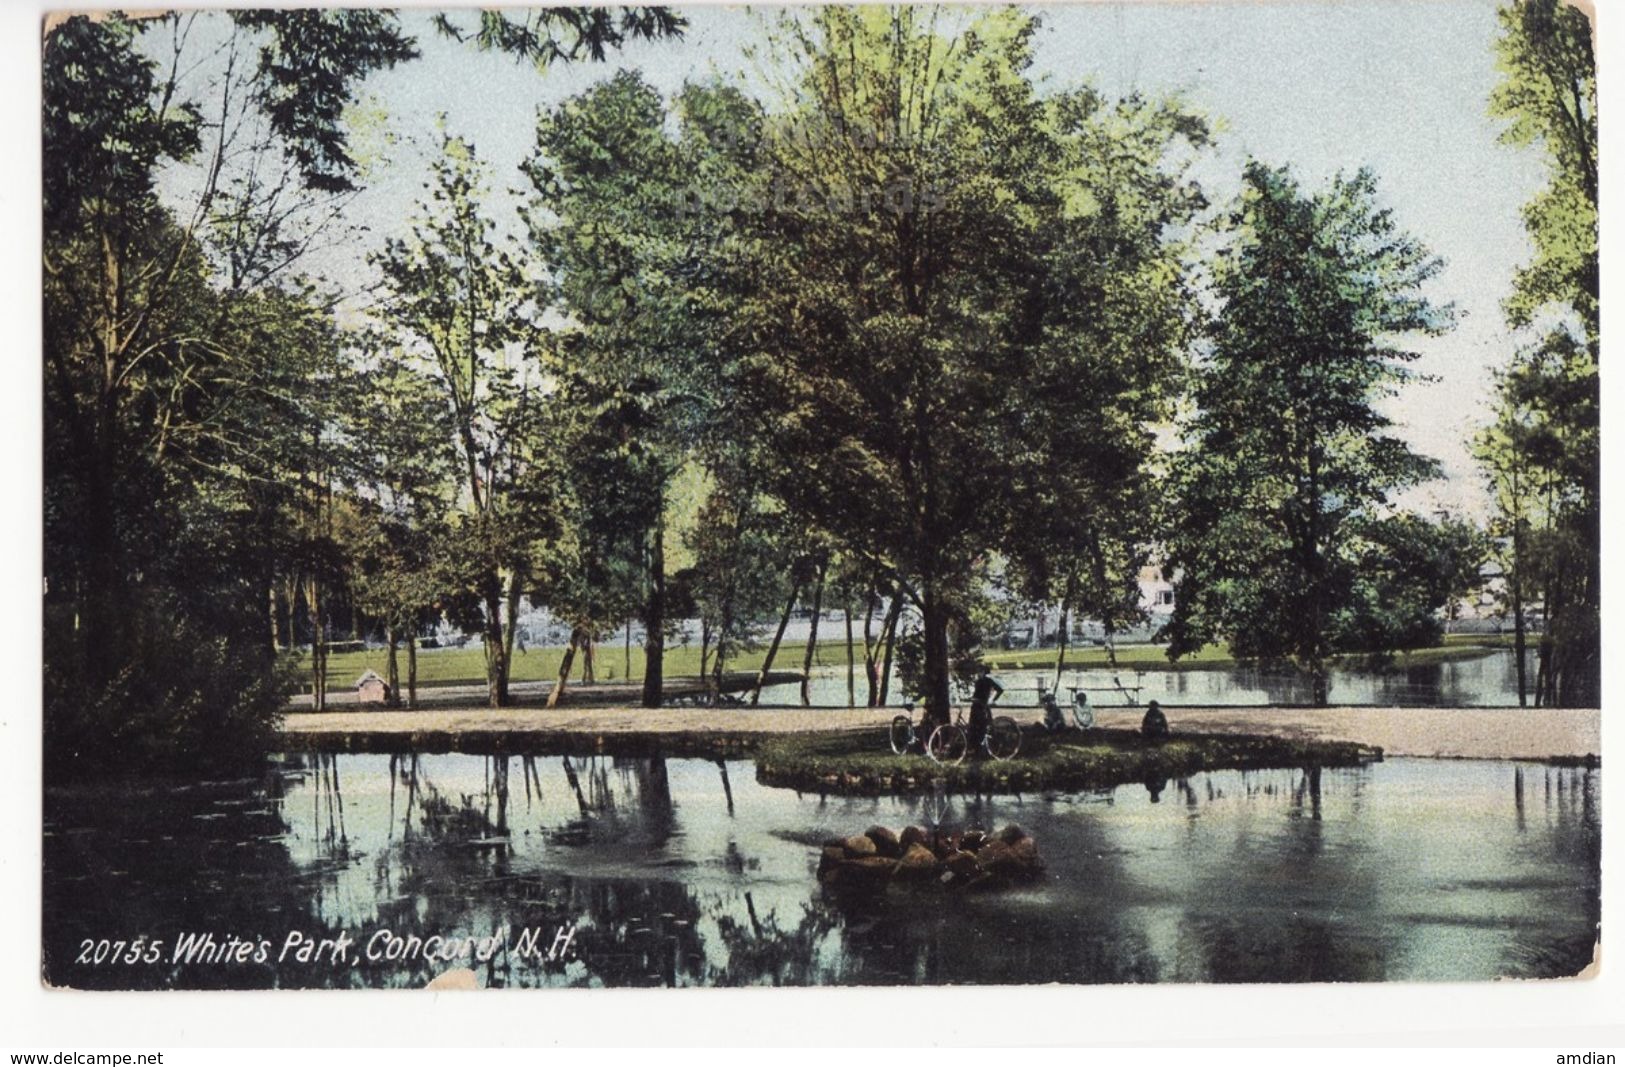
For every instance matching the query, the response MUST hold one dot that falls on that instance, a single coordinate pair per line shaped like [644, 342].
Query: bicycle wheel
[902, 734]
[1083, 715]
[1003, 738]
[948, 744]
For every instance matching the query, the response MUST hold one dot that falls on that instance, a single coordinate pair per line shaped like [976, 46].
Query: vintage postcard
[820, 496]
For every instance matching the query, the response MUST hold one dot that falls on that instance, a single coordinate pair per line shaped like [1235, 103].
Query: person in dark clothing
[981, 707]
[1154, 727]
[1054, 720]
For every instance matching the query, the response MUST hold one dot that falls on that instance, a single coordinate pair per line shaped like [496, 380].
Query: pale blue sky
[1397, 86]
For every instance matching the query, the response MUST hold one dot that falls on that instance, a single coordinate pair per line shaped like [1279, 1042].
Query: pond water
[688, 872]
[1489, 680]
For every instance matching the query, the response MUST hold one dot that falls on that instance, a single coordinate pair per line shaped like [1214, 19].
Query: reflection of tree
[240, 859]
[1574, 840]
[1281, 947]
[761, 952]
[1259, 926]
[115, 866]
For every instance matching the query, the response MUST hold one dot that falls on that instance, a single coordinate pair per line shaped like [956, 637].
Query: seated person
[1054, 721]
[1154, 727]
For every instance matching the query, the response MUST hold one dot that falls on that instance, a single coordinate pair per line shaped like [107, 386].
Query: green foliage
[104, 127]
[951, 269]
[1541, 457]
[192, 696]
[564, 34]
[1287, 473]
[308, 71]
[1541, 453]
[1410, 569]
[1548, 95]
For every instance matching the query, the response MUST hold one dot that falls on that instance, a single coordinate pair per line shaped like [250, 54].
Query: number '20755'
[140, 950]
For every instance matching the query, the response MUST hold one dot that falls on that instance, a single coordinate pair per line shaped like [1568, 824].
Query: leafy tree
[1411, 568]
[405, 463]
[563, 34]
[1541, 453]
[1111, 359]
[1542, 459]
[1548, 95]
[186, 363]
[611, 474]
[458, 300]
[645, 302]
[177, 347]
[1288, 470]
[739, 577]
[927, 218]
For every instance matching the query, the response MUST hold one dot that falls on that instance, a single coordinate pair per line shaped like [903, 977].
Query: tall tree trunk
[495, 644]
[515, 584]
[773, 649]
[934, 630]
[812, 637]
[565, 666]
[705, 647]
[719, 664]
[392, 669]
[412, 669]
[851, 665]
[654, 621]
[276, 635]
[870, 652]
[290, 597]
[318, 644]
[1519, 638]
[888, 634]
[588, 666]
[1060, 644]
[626, 658]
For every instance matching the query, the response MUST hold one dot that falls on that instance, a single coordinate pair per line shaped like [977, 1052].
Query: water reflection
[1488, 680]
[688, 872]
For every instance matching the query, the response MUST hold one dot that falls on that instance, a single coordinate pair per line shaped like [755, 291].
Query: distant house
[1156, 589]
[371, 689]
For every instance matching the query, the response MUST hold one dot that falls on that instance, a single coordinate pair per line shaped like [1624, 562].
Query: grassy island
[861, 763]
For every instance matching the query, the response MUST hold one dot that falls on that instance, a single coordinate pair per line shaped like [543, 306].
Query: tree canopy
[1289, 467]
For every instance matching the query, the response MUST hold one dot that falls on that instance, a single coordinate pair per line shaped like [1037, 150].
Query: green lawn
[466, 666]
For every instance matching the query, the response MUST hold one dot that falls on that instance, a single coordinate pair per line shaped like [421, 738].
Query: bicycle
[950, 743]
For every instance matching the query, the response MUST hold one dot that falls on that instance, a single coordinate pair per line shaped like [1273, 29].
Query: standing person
[981, 706]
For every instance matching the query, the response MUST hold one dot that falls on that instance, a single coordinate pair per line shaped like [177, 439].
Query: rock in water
[1025, 854]
[886, 842]
[962, 864]
[994, 857]
[917, 862]
[868, 862]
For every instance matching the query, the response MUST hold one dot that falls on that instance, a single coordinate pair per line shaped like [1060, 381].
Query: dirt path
[1462, 733]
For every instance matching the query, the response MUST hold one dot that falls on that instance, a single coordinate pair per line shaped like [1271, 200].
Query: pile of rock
[973, 859]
